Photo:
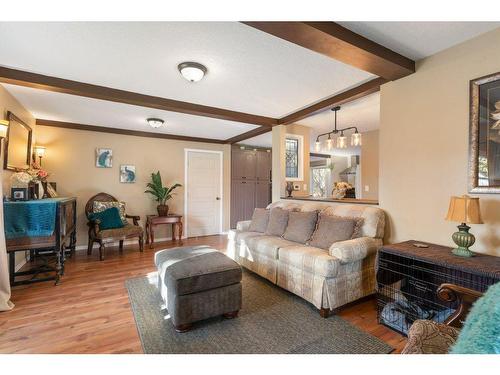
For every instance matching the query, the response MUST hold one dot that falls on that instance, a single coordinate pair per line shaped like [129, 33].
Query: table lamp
[464, 210]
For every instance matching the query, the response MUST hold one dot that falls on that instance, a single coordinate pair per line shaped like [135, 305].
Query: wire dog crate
[408, 278]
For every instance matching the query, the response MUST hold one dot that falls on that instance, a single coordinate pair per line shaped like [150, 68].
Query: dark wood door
[262, 194]
[264, 162]
[242, 200]
[244, 164]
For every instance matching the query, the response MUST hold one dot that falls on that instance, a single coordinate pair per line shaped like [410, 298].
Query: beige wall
[279, 180]
[9, 103]
[70, 157]
[369, 161]
[424, 145]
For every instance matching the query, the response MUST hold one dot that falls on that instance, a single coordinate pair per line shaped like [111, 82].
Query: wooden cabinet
[244, 164]
[250, 182]
[264, 162]
[262, 194]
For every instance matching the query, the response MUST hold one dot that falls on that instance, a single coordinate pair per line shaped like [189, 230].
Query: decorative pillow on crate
[260, 218]
[334, 229]
[108, 219]
[101, 206]
[300, 226]
[278, 219]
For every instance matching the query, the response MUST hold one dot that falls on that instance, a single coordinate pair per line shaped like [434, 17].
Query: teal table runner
[34, 218]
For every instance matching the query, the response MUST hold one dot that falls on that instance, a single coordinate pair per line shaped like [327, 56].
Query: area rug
[272, 320]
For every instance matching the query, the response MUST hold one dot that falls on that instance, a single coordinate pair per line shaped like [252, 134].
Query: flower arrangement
[340, 189]
[37, 173]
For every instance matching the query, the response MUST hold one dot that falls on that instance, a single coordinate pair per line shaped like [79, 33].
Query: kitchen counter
[343, 200]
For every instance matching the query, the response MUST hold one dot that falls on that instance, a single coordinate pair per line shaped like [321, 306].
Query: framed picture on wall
[127, 174]
[484, 136]
[103, 158]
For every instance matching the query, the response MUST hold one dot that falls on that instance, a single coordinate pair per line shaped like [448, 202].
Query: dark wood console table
[59, 243]
[153, 220]
[408, 278]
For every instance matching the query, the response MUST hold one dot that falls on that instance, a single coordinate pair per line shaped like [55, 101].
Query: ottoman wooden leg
[324, 312]
[181, 328]
[231, 315]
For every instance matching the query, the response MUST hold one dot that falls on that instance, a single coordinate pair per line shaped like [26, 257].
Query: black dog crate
[408, 278]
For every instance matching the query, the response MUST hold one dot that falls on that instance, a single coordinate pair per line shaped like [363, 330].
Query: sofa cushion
[373, 217]
[260, 218]
[309, 259]
[128, 230]
[268, 245]
[240, 236]
[300, 226]
[333, 229]
[278, 220]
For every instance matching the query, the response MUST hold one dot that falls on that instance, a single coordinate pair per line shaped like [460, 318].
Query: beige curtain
[5, 303]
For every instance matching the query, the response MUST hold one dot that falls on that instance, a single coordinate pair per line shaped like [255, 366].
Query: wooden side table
[154, 220]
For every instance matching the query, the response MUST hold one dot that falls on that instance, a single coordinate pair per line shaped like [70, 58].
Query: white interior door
[203, 193]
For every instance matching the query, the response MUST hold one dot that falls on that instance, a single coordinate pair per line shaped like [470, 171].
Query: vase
[162, 209]
[289, 188]
[44, 187]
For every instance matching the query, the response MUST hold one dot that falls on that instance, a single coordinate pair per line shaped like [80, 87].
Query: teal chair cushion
[481, 331]
[108, 219]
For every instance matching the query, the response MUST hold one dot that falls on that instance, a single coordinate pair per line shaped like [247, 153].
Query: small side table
[154, 220]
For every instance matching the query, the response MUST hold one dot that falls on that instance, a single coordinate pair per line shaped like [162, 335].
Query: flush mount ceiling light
[155, 122]
[341, 139]
[192, 71]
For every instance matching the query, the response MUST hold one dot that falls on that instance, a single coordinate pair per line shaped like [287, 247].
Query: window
[319, 177]
[292, 157]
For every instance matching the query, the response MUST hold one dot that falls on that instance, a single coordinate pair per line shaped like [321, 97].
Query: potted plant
[160, 193]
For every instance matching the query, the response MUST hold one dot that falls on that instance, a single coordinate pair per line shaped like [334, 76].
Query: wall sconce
[38, 151]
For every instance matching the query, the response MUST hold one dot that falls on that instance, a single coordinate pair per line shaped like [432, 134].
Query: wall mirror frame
[484, 135]
[17, 145]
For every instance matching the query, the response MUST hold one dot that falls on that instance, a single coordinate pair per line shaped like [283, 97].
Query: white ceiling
[417, 40]
[248, 70]
[62, 107]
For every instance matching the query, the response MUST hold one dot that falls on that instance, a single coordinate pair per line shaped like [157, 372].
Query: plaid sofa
[326, 278]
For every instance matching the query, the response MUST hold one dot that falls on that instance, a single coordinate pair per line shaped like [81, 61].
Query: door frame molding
[186, 184]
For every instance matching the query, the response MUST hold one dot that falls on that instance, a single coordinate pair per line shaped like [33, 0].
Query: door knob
[217, 198]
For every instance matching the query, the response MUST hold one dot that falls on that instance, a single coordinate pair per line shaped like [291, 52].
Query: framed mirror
[17, 144]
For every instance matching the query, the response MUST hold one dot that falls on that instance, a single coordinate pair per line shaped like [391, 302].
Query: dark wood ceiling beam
[43, 82]
[355, 93]
[249, 134]
[137, 133]
[339, 43]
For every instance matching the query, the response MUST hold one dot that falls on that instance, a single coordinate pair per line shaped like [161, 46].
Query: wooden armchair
[102, 237]
[429, 337]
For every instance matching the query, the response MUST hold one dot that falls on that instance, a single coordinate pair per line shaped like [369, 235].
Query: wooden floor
[90, 311]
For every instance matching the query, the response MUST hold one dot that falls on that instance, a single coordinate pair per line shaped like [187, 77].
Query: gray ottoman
[197, 283]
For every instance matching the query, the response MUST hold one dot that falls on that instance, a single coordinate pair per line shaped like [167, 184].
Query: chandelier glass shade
[341, 139]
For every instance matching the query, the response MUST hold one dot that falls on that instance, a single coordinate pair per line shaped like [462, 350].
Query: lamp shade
[4, 124]
[464, 209]
[39, 151]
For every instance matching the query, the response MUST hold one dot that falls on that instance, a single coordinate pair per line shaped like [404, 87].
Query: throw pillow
[333, 229]
[260, 218]
[101, 206]
[300, 226]
[481, 331]
[278, 219]
[108, 219]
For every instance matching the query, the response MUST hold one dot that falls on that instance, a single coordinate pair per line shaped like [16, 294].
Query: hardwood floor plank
[90, 311]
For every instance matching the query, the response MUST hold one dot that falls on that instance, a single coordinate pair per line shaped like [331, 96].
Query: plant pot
[162, 209]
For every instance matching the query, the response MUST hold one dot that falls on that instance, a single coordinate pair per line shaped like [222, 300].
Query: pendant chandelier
[341, 138]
